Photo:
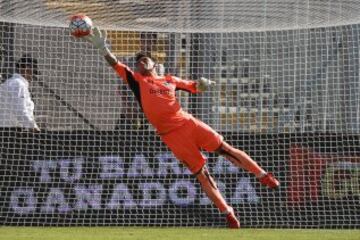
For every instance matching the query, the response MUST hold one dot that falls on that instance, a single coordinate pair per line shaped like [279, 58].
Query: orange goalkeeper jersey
[157, 98]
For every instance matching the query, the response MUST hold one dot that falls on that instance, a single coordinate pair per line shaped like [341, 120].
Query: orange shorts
[187, 141]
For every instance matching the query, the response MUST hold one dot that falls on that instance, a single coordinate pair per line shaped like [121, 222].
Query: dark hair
[140, 55]
[27, 61]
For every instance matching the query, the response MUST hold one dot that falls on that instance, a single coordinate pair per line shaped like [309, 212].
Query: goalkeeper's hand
[98, 39]
[203, 84]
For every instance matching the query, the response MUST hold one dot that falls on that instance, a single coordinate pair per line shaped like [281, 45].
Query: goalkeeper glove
[98, 40]
[203, 84]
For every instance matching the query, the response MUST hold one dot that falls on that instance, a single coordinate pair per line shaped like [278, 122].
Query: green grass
[141, 233]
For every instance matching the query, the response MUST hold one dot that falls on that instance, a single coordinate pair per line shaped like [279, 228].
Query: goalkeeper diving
[185, 135]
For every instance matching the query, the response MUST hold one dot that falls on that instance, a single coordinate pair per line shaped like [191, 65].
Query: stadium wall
[81, 178]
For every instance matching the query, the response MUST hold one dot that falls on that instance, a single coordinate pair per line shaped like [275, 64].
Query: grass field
[141, 233]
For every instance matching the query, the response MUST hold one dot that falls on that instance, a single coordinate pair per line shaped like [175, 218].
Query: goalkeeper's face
[145, 66]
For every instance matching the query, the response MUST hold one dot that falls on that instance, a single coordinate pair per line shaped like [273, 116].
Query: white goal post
[287, 92]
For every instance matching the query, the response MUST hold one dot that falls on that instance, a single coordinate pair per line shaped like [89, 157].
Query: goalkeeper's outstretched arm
[98, 39]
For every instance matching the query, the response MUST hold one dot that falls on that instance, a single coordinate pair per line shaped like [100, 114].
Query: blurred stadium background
[288, 93]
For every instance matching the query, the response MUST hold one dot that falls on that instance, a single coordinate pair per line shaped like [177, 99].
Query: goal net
[287, 92]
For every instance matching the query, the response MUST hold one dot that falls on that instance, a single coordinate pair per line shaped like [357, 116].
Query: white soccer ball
[80, 25]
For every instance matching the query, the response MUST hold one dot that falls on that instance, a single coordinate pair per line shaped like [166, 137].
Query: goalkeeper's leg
[210, 188]
[243, 160]
[209, 140]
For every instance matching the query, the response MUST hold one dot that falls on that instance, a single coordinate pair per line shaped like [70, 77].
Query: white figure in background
[16, 105]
